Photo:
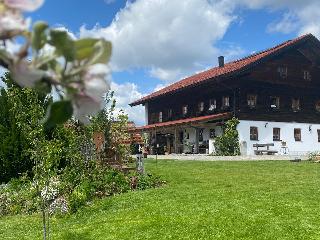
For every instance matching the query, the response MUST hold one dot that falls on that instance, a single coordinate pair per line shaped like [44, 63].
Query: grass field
[202, 200]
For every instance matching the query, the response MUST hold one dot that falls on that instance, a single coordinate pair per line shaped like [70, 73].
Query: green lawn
[202, 200]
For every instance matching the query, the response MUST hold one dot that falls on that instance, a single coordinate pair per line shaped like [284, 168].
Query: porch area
[185, 136]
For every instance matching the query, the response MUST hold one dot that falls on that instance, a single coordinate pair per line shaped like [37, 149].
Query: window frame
[213, 104]
[306, 75]
[295, 108]
[283, 71]
[201, 106]
[276, 135]
[185, 109]
[225, 101]
[254, 136]
[252, 103]
[318, 132]
[160, 119]
[277, 105]
[297, 136]
[170, 113]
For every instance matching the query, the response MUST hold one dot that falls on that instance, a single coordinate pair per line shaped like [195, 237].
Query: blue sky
[157, 42]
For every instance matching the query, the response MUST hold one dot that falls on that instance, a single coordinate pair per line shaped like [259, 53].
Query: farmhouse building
[274, 93]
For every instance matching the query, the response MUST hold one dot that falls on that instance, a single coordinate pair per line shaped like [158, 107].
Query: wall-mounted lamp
[266, 124]
[310, 128]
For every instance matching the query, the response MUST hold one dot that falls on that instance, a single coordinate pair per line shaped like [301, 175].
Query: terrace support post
[196, 146]
[175, 140]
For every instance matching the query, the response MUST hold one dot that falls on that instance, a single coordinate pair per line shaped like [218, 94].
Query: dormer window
[283, 71]
[201, 106]
[212, 104]
[225, 102]
[306, 75]
[252, 100]
[160, 116]
[275, 102]
[185, 109]
[295, 104]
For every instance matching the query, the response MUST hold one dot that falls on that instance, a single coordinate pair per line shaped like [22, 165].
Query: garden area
[201, 200]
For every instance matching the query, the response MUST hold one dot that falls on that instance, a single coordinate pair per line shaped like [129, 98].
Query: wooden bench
[264, 151]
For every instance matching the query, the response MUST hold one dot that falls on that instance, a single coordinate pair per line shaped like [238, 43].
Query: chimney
[221, 61]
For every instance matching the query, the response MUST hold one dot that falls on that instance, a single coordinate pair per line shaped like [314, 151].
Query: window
[254, 133]
[276, 134]
[212, 104]
[201, 106]
[317, 106]
[201, 135]
[283, 71]
[212, 133]
[275, 102]
[160, 116]
[169, 113]
[225, 102]
[297, 134]
[318, 131]
[185, 109]
[295, 104]
[306, 75]
[252, 100]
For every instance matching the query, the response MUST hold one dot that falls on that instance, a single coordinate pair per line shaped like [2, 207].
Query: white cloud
[173, 38]
[300, 16]
[170, 37]
[289, 23]
[124, 94]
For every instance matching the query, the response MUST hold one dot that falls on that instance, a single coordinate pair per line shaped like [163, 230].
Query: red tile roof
[229, 68]
[219, 116]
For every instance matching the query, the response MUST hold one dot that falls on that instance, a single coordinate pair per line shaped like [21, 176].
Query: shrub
[228, 143]
[313, 156]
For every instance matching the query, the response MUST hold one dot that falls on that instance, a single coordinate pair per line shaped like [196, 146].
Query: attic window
[201, 106]
[225, 102]
[212, 104]
[295, 104]
[275, 102]
[185, 109]
[160, 116]
[306, 75]
[252, 100]
[170, 113]
[283, 71]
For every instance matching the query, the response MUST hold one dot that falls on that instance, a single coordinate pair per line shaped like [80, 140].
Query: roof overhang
[181, 122]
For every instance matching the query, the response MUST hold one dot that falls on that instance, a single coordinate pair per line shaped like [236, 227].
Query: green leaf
[39, 37]
[63, 43]
[102, 52]
[58, 113]
[84, 48]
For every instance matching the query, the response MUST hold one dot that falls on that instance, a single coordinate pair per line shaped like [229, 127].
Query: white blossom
[84, 106]
[90, 99]
[24, 5]
[12, 23]
[26, 75]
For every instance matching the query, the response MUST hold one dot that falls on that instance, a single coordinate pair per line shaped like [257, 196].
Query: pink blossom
[24, 5]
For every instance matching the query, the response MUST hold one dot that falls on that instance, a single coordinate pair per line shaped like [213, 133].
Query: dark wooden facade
[262, 80]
